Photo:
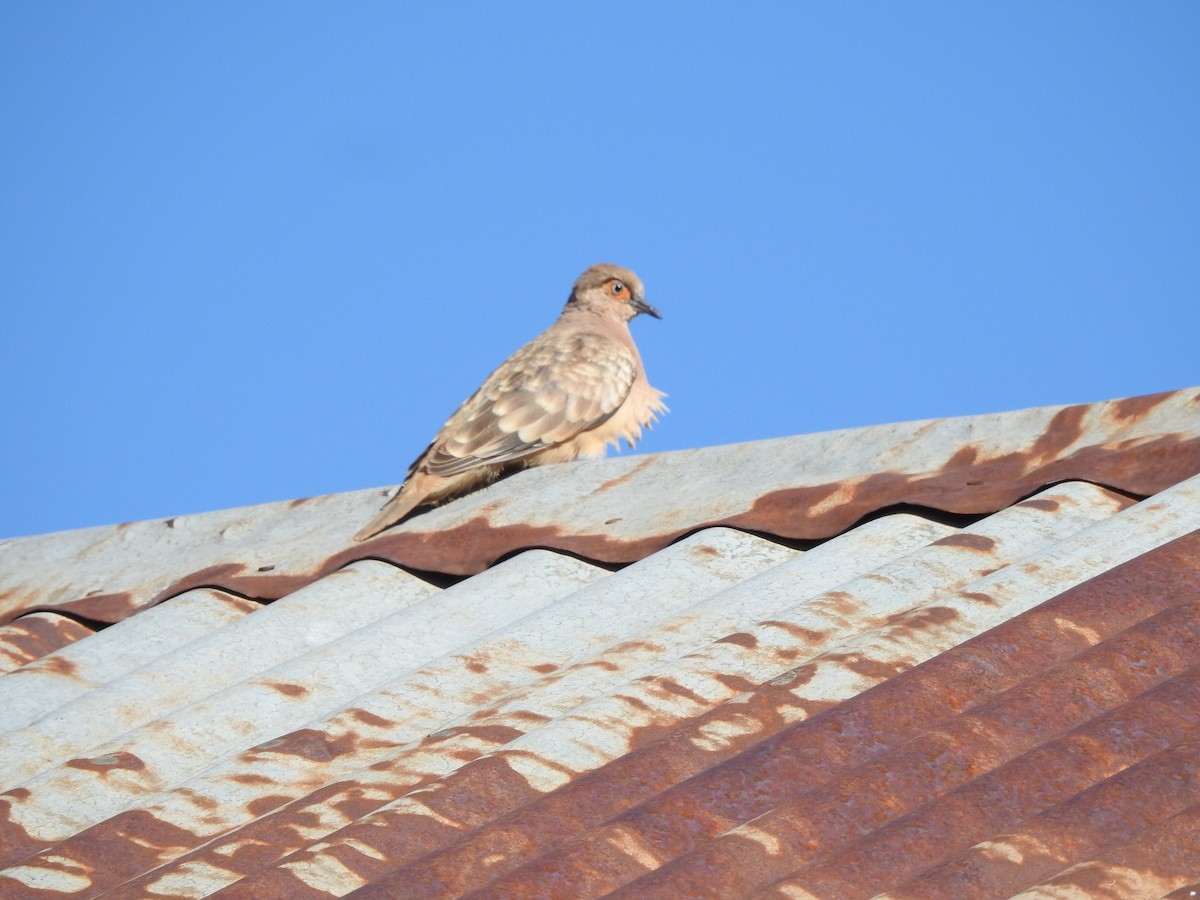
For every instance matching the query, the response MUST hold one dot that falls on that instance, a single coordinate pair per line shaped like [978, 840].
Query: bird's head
[611, 291]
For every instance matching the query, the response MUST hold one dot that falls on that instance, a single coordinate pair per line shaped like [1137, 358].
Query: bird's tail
[400, 505]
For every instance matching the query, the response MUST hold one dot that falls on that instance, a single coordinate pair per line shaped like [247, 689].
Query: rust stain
[34, 637]
[307, 743]
[260, 806]
[59, 666]
[1043, 503]
[986, 599]
[288, 690]
[741, 638]
[369, 718]
[613, 482]
[1136, 408]
[673, 687]
[807, 635]
[979, 542]
[544, 668]
[108, 762]
[15, 842]
[1064, 430]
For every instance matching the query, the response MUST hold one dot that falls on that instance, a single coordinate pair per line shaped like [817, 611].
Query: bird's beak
[643, 307]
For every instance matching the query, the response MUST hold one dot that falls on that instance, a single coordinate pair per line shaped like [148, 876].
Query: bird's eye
[617, 289]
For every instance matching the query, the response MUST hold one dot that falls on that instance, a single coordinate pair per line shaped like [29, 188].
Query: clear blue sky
[259, 251]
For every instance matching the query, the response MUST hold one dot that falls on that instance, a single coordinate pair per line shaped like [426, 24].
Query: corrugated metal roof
[922, 705]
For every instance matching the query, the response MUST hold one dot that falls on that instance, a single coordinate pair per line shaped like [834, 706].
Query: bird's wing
[553, 388]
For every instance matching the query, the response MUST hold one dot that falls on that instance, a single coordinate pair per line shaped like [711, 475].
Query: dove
[570, 393]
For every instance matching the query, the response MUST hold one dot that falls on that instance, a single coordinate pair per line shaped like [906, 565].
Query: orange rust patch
[612, 483]
[369, 718]
[260, 806]
[307, 743]
[1043, 503]
[741, 638]
[108, 762]
[58, 665]
[986, 599]
[289, 690]
[33, 637]
[1134, 408]
[979, 542]
[808, 635]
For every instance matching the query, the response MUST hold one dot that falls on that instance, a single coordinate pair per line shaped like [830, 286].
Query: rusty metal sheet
[619, 510]
[34, 636]
[431, 842]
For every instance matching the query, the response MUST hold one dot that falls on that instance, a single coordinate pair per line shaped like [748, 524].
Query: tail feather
[399, 506]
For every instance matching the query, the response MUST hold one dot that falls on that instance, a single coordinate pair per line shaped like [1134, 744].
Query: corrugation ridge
[1163, 859]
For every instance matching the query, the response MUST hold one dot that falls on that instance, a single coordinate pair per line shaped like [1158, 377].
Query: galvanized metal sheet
[620, 510]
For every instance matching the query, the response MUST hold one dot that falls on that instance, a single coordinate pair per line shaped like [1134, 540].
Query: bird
[573, 391]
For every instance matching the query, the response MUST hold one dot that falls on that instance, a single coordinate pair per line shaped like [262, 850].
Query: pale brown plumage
[569, 393]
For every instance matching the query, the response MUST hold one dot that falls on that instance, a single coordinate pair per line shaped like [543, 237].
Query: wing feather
[546, 393]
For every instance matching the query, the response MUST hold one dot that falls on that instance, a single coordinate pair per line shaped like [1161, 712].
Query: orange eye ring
[617, 288]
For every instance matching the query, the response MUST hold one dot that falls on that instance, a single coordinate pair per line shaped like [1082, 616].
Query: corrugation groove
[813, 752]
